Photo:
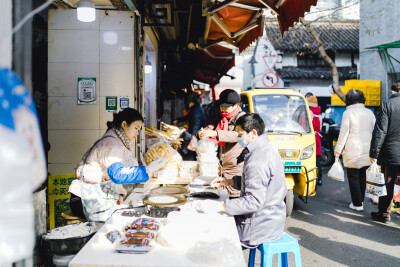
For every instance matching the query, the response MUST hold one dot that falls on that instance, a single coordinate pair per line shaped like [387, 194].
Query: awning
[386, 58]
[394, 44]
[241, 22]
[213, 63]
[236, 22]
[291, 10]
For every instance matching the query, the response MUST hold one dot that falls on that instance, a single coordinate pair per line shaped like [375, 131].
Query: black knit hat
[229, 97]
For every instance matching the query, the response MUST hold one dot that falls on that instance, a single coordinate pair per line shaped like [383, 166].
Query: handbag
[375, 181]
[99, 201]
[336, 172]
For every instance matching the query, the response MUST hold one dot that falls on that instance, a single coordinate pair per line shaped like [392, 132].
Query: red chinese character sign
[270, 79]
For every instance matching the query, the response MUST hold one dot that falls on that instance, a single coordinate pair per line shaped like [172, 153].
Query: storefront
[139, 54]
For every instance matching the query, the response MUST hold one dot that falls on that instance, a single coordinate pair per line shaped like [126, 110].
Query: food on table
[188, 169]
[165, 151]
[169, 190]
[170, 133]
[163, 199]
[141, 233]
[148, 223]
[139, 236]
[136, 241]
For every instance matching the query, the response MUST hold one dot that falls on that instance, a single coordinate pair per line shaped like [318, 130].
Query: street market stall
[213, 240]
[169, 225]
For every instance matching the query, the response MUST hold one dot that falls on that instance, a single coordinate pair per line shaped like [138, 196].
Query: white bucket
[62, 260]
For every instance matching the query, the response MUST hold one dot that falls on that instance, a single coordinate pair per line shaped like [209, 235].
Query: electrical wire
[25, 19]
[30, 15]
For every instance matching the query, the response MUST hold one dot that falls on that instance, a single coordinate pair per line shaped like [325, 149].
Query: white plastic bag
[219, 252]
[336, 172]
[193, 143]
[156, 164]
[16, 208]
[375, 181]
[206, 146]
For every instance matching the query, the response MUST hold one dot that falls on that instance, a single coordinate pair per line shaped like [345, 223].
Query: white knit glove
[155, 165]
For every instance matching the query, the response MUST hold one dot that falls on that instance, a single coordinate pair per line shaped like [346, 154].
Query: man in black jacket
[385, 146]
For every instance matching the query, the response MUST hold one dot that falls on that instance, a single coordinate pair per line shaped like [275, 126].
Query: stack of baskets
[207, 158]
[370, 88]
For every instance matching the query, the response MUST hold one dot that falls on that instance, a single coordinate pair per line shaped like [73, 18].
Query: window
[313, 60]
[245, 103]
[282, 113]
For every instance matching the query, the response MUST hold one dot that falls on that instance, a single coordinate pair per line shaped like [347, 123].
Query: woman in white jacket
[354, 143]
[111, 158]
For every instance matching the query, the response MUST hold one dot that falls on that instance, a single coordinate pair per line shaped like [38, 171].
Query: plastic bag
[206, 146]
[155, 165]
[164, 150]
[336, 172]
[193, 143]
[375, 181]
[22, 168]
[219, 252]
[396, 194]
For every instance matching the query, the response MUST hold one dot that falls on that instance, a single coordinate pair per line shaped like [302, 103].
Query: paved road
[331, 234]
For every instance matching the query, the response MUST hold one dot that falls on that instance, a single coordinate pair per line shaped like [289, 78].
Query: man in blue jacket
[260, 211]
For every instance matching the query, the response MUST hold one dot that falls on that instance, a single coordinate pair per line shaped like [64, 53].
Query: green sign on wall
[111, 103]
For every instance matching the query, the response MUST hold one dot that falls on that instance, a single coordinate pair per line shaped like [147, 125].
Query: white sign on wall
[86, 90]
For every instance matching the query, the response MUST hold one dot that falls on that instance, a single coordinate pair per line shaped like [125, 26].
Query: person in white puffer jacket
[354, 143]
[111, 158]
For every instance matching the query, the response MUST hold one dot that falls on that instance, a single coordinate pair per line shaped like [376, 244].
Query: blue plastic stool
[282, 246]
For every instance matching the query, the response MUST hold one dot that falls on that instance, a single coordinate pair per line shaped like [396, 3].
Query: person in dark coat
[196, 120]
[195, 117]
[385, 145]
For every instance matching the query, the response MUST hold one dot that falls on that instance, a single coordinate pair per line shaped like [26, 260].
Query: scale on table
[163, 200]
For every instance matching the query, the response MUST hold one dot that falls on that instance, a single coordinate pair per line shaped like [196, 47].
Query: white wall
[150, 86]
[343, 60]
[236, 71]
[78, 49]
[318, 88]
[5, 33]
[150, 82]
[378, 25]
[288, 60]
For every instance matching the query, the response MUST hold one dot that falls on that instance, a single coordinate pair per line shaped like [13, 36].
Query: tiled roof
[335, 35]
[345, 73]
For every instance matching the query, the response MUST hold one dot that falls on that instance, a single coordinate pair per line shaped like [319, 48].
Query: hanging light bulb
[85, 11]
[147, 66]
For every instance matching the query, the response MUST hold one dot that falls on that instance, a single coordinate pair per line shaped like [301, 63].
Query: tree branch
[326, 58]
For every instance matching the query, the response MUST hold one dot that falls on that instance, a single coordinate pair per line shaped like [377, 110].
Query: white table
[99, 251]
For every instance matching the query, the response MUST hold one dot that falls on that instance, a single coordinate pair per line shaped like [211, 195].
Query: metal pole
[22, 52]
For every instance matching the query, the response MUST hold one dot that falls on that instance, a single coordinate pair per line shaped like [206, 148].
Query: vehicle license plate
[292, 166]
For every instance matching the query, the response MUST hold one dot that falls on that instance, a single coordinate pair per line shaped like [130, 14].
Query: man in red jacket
[316, 112]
